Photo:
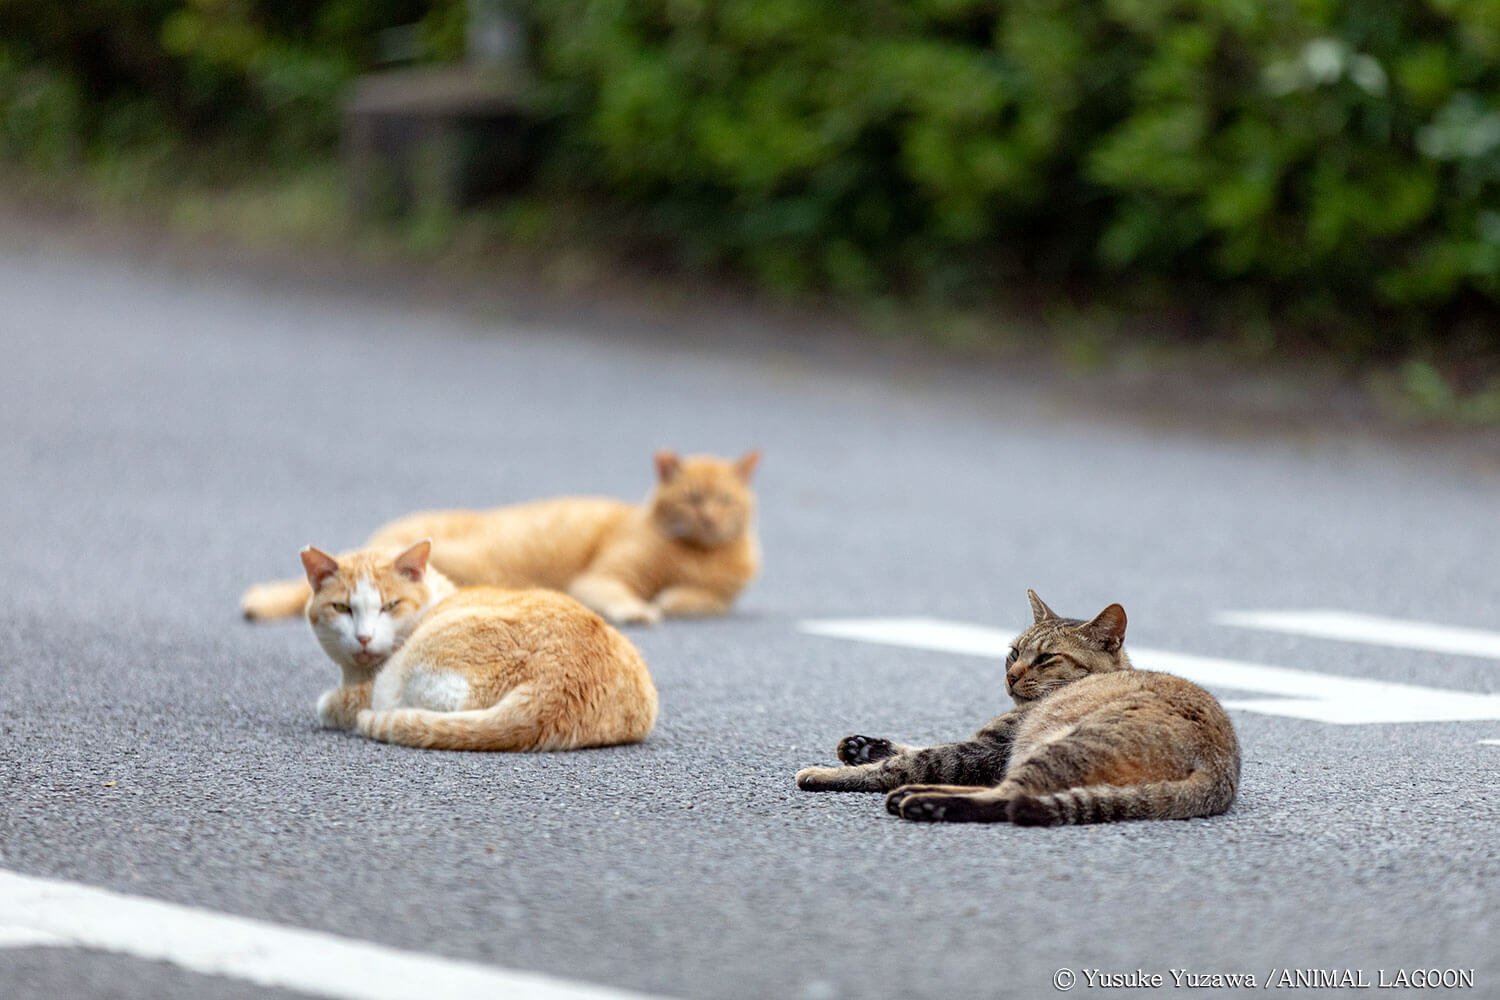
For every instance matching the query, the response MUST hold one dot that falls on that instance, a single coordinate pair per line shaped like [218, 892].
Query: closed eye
[342, 609]
[1041, 658]
[390, 605]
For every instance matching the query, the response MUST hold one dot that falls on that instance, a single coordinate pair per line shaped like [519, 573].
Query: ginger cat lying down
[689, 550]
[426, 665]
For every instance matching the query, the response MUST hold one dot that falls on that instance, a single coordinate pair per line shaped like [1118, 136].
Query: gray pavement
[171, 434]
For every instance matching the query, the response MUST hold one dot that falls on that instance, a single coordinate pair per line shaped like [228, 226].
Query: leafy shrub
[1338, 158]
[1344, 155]
[264, 73]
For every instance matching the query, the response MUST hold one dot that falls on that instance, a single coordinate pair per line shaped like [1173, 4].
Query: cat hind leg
[947, 804]
[861, 778]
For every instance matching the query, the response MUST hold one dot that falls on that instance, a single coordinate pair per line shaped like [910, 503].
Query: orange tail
[514, 723]
[278, 599]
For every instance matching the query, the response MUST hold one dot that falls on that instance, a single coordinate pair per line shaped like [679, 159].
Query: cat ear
[412, 563]
[745, 465]
[1039, 611]
[319, 565]
[1108, 627]
[667, 465]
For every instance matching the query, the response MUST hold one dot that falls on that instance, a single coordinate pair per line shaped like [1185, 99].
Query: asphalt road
[172, 434]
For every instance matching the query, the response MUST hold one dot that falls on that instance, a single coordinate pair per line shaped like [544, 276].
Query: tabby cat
[426, 665]
[1090, 740]
[688, 551]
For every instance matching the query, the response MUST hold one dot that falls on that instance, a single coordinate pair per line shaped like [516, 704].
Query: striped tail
[1202, 793]
[278, 599]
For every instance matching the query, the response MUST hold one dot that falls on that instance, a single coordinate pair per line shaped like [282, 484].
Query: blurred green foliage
[1337, 161]
[1342, 155]
[93, 78]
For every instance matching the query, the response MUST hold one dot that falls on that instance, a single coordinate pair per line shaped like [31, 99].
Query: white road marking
[1489, 743]
[27, 937]
[1299, 694]
[1371, 630]
[217, 944]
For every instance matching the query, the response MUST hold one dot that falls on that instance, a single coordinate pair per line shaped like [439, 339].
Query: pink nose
[364, 640]
[1014, 674]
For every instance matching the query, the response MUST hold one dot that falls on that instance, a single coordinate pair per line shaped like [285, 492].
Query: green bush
[106, 75]
[1342, 155]
[1338, 159]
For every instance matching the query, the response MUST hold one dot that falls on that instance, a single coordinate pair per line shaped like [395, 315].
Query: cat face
[703, 500]
[365, 604]
[1055, 651]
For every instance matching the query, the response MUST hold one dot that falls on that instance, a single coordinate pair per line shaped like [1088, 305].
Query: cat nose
[364, 640]
[1014, 673]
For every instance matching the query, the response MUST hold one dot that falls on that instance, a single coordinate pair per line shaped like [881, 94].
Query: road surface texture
[171, 434]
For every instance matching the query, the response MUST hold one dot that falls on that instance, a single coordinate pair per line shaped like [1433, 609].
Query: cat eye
[1011, 656]
[342, 609]
[1041, 658]
[390, 605]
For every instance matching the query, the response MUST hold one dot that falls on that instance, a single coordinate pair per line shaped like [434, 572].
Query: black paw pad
[864, 749]
[894, 799]
[926, 808]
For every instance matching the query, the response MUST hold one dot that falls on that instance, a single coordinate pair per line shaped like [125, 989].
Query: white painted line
[1298, 694]
[26, 937]
[1371, 630]
[258, 952]
[1489, 743]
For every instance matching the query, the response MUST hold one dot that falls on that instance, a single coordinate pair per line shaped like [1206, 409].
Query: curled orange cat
[687, 551]
[428, 665]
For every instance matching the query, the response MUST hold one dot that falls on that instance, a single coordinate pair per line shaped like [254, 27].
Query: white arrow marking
[216, 944]
[1299, 694]
[1371, 630]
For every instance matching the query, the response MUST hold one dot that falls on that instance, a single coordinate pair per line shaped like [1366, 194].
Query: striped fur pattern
[687, 551]
[480, 668]
[1091, 740]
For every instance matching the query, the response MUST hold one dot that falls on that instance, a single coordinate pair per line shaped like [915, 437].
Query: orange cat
[426, 665]
[689, 550]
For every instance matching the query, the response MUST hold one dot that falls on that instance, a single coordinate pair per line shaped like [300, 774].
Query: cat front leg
[975, 763]
[690, 602]
[864, 778]
[614, 600]
[339, 707]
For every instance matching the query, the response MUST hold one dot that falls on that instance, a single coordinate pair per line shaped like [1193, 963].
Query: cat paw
[864, 749]
[921, 806]
[1028, 810]
[635, 614]
[894, 799]
[817, 779]
[327, 714]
